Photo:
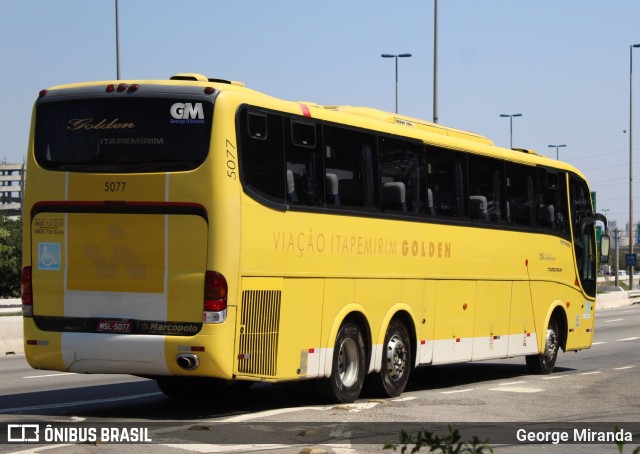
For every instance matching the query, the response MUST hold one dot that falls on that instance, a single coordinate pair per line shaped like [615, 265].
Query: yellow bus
[200, 233]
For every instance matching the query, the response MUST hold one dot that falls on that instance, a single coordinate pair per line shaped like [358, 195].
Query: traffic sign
[630, 259]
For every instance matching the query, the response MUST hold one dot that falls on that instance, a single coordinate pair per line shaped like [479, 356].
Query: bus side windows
[351, 168]
[446, 181]
[485, 189]
[521, 190]
[257, 125]
[261, 156]
[553, 213]
[402, 182]
[304, 164]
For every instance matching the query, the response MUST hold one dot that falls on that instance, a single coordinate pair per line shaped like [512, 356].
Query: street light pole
[631, 160]
[396, 56]
[117, 45]
[435, 61]
[556, 147]
[510, 126]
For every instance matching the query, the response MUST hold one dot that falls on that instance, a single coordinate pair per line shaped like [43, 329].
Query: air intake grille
[259, 325]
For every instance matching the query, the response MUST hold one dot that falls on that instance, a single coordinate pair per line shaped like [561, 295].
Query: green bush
[10, 257]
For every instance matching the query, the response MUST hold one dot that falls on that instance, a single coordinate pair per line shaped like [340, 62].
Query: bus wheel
[544, 363]
[348, 368]
[396, 362]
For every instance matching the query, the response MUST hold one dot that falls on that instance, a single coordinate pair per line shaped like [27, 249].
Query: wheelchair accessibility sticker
[49, 256]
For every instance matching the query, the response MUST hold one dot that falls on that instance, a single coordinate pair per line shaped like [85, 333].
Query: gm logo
[187, 111]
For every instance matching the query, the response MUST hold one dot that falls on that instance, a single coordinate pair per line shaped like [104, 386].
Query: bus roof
[417, 126]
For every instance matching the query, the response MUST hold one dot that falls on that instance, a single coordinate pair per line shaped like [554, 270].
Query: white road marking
[517, 389]
[590, 373]
[614, 320]
[553, 377]
[51, 375]
[628, 339]
[598, 343]
[512, 383]
[404, 399]
[458, 391]
[624, 368]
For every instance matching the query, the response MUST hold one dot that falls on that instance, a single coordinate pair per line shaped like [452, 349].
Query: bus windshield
[123, 135]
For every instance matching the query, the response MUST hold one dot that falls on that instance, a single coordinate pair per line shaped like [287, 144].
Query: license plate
[114, 326]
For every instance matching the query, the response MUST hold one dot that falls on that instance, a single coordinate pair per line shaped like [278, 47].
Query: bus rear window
[123, 135]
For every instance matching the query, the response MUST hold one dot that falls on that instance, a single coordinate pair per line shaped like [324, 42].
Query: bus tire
[348, 367]
[396, 362]
[544, 363]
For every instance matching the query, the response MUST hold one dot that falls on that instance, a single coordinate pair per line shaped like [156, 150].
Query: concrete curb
[11, 335]
[11, 332]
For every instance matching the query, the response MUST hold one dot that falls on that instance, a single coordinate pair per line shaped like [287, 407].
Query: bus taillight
[215, 298]
[27, 295]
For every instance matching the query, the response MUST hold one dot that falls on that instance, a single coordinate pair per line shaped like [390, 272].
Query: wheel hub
[396, 357]
[552, 344]
[348, 362]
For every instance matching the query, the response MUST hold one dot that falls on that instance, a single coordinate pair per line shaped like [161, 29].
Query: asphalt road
[592, 390]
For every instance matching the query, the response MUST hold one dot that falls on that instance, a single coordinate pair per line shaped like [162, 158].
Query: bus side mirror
[604, 248]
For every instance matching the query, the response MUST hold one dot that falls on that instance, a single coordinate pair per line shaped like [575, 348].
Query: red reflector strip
[244, 356]
[37, 342]
[571, 330]
[197, 349]
[588, 330]
[305, 110]
[458, 339]
[312, 350]
[528, 334]
[496, 337]
[422, 342]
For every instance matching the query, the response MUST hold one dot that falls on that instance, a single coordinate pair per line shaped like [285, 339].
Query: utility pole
[617, 262]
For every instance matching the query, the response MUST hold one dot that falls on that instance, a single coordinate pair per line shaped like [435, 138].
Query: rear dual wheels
[348, 367]
[396, 362]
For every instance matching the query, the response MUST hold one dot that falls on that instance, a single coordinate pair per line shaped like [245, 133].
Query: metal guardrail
[634, 295]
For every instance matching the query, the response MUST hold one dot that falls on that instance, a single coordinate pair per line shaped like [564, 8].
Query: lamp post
[631, 159]
[435, 61]
[510, 116]
[117, 45]
[556, 147]
[396, 56]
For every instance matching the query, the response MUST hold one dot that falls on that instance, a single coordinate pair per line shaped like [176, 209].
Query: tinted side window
[402, 176]
[446, 178]
[350, 168]
[123, 135]
[486, 192]
[521, 190]
[262, 154]
[583, 238]
[303, 155]
[553, 212]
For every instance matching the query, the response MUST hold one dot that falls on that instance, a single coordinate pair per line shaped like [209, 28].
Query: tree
[10, 257]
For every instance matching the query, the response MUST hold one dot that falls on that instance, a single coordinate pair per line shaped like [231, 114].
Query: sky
[563, 64]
